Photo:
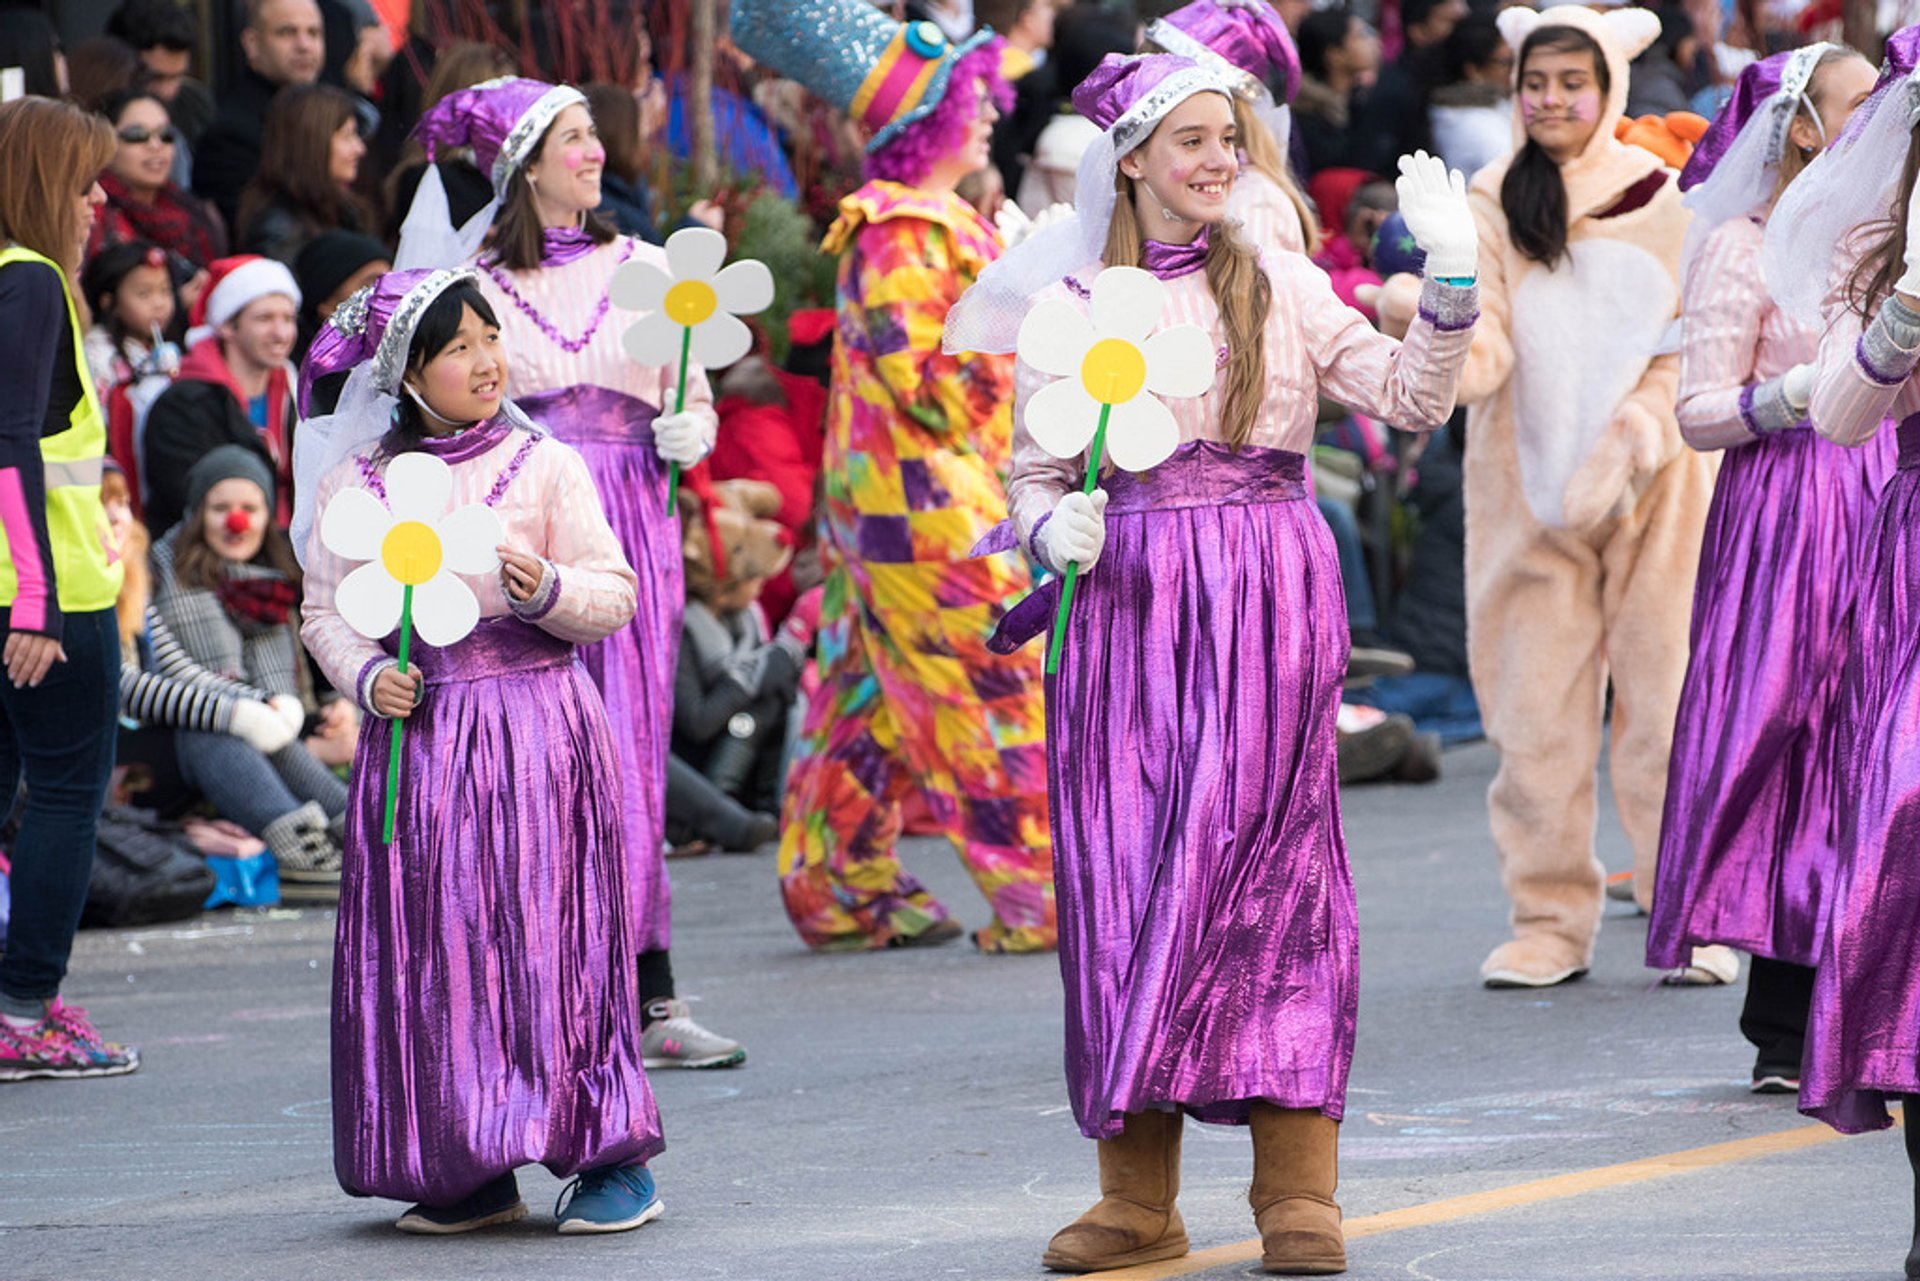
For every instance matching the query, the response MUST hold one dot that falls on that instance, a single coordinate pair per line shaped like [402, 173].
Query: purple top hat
[1781, 79]
[501, 120]
[1128, 94]
[376, 324]
[1242, 41]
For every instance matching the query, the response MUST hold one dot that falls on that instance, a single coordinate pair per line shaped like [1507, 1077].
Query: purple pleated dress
[485, 1013]
[1208, 935]
[634, 667]
[1863, 1035]
[1747, 845]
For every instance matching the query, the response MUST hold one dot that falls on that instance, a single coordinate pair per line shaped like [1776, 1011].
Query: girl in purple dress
[484, 1014]
[1207, 922]
[1858, 206]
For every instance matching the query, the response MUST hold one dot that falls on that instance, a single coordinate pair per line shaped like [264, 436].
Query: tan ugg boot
[1295, 1169]
[1135, 1220]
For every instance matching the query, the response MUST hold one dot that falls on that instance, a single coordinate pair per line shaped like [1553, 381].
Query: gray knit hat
[227, 462]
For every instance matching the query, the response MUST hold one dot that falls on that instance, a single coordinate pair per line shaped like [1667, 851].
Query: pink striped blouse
[1733, 339]
[1314, 344]
[547, 508]
[1864, 373]
[573, 301]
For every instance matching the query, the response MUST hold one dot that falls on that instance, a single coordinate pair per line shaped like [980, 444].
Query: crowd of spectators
[233, 224]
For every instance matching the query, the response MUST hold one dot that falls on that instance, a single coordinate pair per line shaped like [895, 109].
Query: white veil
[1850, 184]
[428, 237]
[987, 316]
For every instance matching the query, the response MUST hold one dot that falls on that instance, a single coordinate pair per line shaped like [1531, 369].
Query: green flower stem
[400, 723]
[1073, 570]
[679, 404]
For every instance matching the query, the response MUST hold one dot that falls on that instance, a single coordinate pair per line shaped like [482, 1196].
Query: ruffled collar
[562, 245]
[1169, 262]
[469, 442]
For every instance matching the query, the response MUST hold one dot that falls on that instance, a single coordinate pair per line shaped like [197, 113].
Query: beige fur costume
[1584, 521]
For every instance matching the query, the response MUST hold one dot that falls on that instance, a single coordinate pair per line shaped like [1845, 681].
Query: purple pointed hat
[1242, 41]
[501, 120]
[376, 325]
[1782, 80]
[1128, 94]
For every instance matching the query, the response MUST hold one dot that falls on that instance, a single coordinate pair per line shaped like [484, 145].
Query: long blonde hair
[1263, 153]
[1241, 289]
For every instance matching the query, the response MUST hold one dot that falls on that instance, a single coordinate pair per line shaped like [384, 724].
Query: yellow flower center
[690, 302]
[1114, 371]
[411, 552]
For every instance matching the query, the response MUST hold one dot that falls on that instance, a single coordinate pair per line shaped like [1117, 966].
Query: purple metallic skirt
[1208, 937]
[1748, 842]
[1863, 1036]
[634, 667]
[484, 1012]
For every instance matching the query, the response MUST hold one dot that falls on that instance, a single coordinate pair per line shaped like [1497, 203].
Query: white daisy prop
[412, 547]
[1110, 370]
[693, 310]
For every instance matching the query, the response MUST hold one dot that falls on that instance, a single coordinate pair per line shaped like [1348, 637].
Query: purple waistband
[1206, 473]
[495, 647]
[587, 413]
[1909, 437]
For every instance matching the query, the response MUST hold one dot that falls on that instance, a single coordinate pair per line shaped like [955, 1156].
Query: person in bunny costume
[1584, 507]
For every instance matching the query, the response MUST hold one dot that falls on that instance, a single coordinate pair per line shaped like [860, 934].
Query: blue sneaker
[613, 1198]
[495, 1202]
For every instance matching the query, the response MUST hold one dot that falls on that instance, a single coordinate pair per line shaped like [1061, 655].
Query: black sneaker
[1776, 1078]
[939, 932]
[496, 1202]
[1371, 655]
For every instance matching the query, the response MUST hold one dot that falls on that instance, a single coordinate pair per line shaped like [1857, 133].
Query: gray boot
[308, 857]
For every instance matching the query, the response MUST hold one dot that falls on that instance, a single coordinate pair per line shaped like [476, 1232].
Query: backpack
[142, 872]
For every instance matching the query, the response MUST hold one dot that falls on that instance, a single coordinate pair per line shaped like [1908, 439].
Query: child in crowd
[225, 584]
[735, 683]
[131, 292]
[485, 1014]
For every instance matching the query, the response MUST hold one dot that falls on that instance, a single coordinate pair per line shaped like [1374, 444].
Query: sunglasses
[134, 135]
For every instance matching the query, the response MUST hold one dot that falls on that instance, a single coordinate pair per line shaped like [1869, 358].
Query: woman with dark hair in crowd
[143, 201]
[506, 859]
[309, 159]
[58, 703]
[29, 42]
[1339, 59]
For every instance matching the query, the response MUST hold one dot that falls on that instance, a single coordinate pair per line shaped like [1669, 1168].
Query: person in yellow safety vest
[59, 576]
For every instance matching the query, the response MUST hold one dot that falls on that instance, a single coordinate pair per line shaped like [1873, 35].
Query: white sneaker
[678, 1042]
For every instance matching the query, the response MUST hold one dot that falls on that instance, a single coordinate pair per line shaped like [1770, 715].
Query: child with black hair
[131, 291]
[485, 1014]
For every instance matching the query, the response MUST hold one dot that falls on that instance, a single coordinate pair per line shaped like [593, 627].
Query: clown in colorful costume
[916, 445]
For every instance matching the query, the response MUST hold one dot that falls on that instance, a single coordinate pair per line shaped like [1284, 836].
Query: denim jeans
[1361, 614]
[252, 789]
[60, 737]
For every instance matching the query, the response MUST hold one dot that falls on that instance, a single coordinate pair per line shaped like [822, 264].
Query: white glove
[1076, 533]
[685, 437]
[1434, 204]
[259, 726]
[1011, 221]
[291, 711]
[1797, 386]
[1909, 282]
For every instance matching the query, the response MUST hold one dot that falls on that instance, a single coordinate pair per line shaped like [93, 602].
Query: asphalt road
[902, 1114]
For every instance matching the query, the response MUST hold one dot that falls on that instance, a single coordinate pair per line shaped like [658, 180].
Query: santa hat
[236, 283]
